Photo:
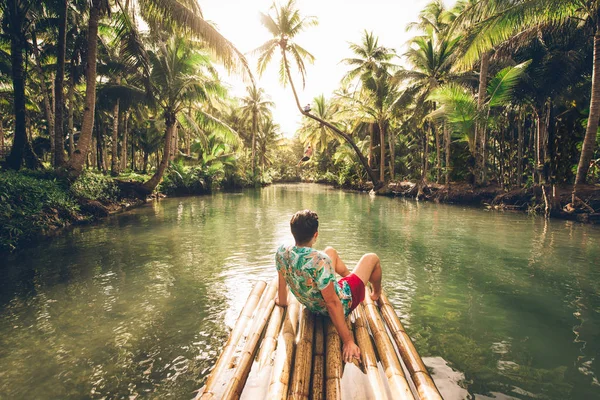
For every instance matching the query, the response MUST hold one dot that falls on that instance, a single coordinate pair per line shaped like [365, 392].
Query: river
[500, 305]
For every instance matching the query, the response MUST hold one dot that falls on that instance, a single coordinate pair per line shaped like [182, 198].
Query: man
[307, 155]
[310, 275]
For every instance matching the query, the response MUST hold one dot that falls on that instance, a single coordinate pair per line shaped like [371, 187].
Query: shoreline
[546, 201]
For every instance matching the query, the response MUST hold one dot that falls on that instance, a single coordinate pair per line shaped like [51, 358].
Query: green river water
[500, 305]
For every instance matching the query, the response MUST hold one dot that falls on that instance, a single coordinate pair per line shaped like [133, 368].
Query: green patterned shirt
[308, 271]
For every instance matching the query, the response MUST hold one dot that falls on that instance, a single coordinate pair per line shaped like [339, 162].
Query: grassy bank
[34, 204]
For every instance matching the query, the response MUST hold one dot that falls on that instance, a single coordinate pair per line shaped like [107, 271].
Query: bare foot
[375, 296]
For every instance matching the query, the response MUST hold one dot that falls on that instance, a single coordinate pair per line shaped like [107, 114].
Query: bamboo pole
[425, 386]
[235, 335]
[393, 369]
[333, 359]
[269, 342]
[300, 386]
[263, 312]
[367, 353]
[284, 355]
[318, 361]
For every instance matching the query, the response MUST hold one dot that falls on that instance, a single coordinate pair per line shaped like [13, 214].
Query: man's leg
[338, 264]
[368, 270]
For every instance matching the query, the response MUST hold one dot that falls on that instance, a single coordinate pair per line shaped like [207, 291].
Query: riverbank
[35, 205]
[555, 202]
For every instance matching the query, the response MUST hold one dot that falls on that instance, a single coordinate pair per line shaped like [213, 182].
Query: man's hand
[350, 351]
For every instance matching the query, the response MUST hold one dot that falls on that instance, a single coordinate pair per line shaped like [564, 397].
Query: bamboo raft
[278, 353]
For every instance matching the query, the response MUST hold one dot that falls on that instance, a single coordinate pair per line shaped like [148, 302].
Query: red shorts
[357, 288]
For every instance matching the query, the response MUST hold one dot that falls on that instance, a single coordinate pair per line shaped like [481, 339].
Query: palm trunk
[124, 143]
[480, 129]
[371, 145]
[114, 166]
[152, 183]
[254, 127]
[94, 154]
[21, 150]
[392, 156]
[1, 137]
[591, 132]
[376, 184]
[447, 144]
[71, 115]
[438, 156]
[145, 163]
[59, 136]
[48, 109]
[520, 143]
[75, 165]
[381, 152]
[425, 156]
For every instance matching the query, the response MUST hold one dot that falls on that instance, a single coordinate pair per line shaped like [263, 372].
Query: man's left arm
[281, 291]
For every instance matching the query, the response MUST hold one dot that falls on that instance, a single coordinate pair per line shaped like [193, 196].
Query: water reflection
[502, 305]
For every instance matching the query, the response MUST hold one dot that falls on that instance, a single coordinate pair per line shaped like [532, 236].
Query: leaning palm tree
[180, 74]
[255, 107]
[285, 24]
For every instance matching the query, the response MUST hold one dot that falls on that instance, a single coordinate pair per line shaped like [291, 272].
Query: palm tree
[15, 16]
[180, 75]
[460, 108]
[174, 17]
[269, 137]
[504, 19]
[285, 25]
[370, 59]
[255, 107]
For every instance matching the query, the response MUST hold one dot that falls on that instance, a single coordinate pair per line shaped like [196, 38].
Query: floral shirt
[308, 271]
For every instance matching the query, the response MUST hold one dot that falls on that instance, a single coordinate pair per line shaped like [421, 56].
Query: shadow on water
[500, 305]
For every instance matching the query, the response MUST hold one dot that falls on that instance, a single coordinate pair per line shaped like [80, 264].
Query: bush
[181, 181]
[30, 204]
[95, 186]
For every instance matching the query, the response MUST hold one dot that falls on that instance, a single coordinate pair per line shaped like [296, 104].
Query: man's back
[307, 271]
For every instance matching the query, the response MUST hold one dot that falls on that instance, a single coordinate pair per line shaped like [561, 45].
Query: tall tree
[255, 107]
[285, 25]
[16, 15]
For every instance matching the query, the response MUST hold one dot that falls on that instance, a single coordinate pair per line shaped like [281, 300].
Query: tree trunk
[75, 165]
[480, 127]
[254, 127]
[114, 166]
[170, 121]
[381, 151]
[145, 164]
[376, 184]
[21, 150]
[371, 145]
[175, 142]
[447, 144]
[392, 156]
[591, 132]
[425, 156]
[71, 116]
[438, 156]
[48, 109]
[94, 154]
[124, 142]
[59, 136]
[520, 144]
[1, 136]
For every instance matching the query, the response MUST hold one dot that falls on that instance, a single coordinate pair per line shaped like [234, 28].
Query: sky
[340, 22]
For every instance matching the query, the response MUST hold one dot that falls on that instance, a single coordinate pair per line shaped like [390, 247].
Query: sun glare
[340, 22]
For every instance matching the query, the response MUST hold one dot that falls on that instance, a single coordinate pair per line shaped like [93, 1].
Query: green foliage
[95, 186]
[30, 205]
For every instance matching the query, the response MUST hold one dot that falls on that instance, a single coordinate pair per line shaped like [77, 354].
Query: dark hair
[304, 224]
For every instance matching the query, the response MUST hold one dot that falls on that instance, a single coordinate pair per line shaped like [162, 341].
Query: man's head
[305, 227]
